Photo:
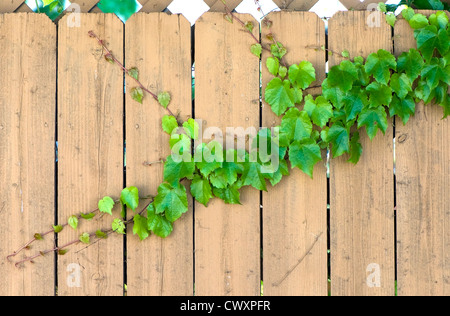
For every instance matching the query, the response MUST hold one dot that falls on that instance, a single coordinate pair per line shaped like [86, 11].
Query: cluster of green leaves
[52, 8]
[419, 4]
[360, 94]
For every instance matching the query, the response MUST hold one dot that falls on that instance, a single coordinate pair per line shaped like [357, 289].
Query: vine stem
[228, 11]
[25, 246]
[124, 69]
[77, 241]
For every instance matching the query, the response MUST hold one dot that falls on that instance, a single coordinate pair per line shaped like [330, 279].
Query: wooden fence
[379, 232]
[215, 5]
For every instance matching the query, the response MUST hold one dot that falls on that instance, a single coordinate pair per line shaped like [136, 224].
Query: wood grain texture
[85, 5]
[9, 6]
[27, 150]
[298, 5]
[227, 237]
[154, 5]
[295, 210]
[159, 45]
[362, 196]
[367, 5]
[217, 5]
[423, 193]
[90, 151]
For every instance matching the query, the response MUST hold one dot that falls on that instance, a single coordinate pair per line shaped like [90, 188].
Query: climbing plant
[357, 96]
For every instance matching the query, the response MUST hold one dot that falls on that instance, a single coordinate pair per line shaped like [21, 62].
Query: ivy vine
[358, 95]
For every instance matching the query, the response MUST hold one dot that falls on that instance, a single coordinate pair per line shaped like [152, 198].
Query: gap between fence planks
[90, 152]
[157, 266]
[362, 196]
[423, 193]
[295, 210]
[27, 149]
[227, 237]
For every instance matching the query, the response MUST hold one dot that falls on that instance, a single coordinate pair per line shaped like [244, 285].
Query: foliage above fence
[125, 8]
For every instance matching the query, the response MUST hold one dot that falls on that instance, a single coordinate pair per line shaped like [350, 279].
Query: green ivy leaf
[174, 171]
[101, 235]
[320, 110]
[118, 226]
[379, 65]
[343, 75]
[296, 125]
[38, 236]
[164, 99]
[191, 128]
[408, 13]
[130, 197]
[403, 108]
[209, 157]
[73, 222]
[106, 205]
[411, 63]
[134, 73]
[418, 21]
[158, 223]
[256, 50]
[282, 170]
[230, 194]
[429, 38]
[373, 119]
[435, 72]
[253, 176]
[355, 149]
[379, 94]
[58, 228]
[333, 94]
[391, 19]
[273, 65]
[302, 74]
[279, 95]
[282, 72]
[201, 190]
[85, 238]
[228, 173]
[169, 124]
[339, 138]
[171, 200]
[439, 19]
[137, 94]
[401, 85]
[305, 155]
[354, 101]
[87, 216]
[140, 227]
[278, 50]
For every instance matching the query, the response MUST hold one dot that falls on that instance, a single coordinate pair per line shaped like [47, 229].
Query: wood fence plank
[227, 237]
[154, 6]
[85, 5]
[159, 45]
[298, 5]
[295, 210]
[217, 5]
[361, 5]
[9, 6]
[90, 151]
[423, 193]
[362, 196]
[27, 150]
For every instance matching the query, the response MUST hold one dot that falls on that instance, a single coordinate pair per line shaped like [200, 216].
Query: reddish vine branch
[77, 241]
[110, 55]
